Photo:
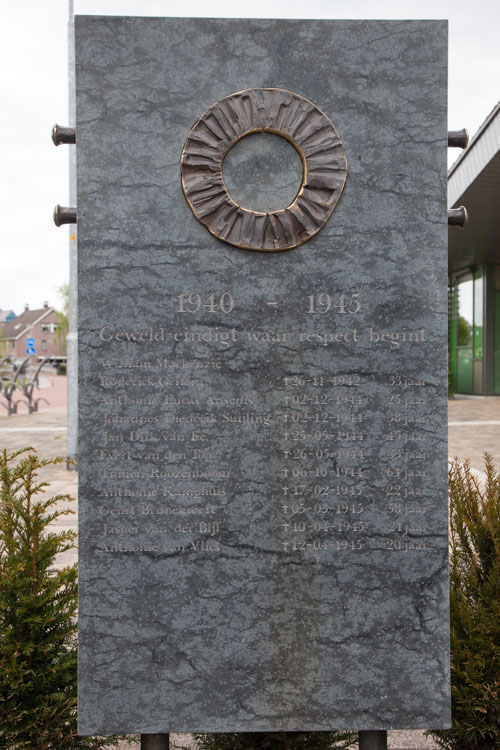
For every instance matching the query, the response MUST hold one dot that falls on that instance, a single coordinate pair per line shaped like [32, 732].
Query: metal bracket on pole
[62, 134]
[458, 138]
[64, 215]
[373, 740]
[154, 742]
[458, 217]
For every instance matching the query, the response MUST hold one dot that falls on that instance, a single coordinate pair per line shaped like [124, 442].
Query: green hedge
[38, 608]
[276, 741]
[475, 609]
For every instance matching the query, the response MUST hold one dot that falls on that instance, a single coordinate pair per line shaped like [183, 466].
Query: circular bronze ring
[271, 111]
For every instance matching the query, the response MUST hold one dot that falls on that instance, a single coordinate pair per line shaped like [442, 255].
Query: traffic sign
[31, 341]
[30, 350]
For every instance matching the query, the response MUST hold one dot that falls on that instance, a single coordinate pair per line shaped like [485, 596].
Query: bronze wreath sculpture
[272, 111]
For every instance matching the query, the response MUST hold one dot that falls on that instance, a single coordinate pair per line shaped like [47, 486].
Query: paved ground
[474, 427]
[52, 392]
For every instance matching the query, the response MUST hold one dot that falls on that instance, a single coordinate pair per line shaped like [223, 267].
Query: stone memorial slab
[263, 374]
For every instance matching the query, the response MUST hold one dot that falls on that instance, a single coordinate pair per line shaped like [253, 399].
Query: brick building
[42, 325]
[474, 265]
[5, 317]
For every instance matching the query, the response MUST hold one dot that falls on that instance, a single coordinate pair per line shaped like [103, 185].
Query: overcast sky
[33, 51]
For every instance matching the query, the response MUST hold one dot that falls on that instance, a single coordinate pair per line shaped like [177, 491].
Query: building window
[465, 311]
[44, 344]
[496, 332]
[466, 332]
[45, 327]
[478, 313]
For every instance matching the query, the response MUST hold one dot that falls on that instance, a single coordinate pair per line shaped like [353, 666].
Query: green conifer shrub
[38, 608]
[475, 609]
[276, 741]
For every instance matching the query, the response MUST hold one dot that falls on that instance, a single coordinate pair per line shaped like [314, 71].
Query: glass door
[465, 327]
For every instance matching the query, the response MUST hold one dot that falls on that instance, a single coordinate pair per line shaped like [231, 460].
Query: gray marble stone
[263, 484]
[263, 172]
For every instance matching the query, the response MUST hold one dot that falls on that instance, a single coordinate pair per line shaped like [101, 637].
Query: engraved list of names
[166, 481]
[263, 509]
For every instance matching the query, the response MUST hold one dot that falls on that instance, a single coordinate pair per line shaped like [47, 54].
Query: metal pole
[373, 740]
[154, 742]
[72, 338]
